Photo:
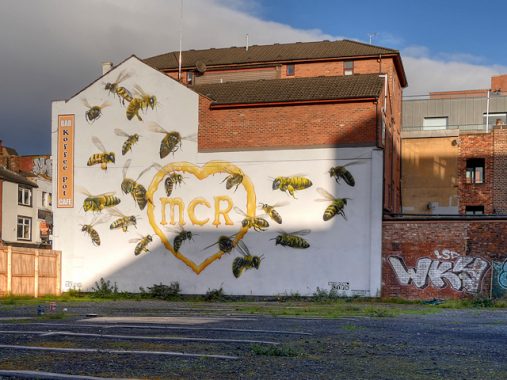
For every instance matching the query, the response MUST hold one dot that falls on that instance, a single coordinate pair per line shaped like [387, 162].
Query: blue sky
[51, 49]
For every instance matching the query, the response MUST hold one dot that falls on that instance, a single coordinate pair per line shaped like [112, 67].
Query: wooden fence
[29, 271]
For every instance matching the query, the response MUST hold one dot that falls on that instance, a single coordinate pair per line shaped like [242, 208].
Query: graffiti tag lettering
[446, 254]
[42, 166]
[464, 274]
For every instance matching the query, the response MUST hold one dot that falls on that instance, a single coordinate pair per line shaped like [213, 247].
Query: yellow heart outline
[211, 167]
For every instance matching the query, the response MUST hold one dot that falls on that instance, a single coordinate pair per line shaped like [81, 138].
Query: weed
[351, 327]
[161, 291]
[214, 295]
[104, 289]
[482, 302]
[379, 312]
[322, 295]
[282, 350]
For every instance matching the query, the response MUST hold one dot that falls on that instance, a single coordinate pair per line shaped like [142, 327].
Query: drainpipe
[487, 111]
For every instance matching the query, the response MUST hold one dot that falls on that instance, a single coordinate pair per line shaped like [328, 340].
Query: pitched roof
[10, 176]
[293, 90]
[268, 53]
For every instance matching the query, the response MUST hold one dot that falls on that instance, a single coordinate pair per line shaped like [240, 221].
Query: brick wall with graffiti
[425, 259]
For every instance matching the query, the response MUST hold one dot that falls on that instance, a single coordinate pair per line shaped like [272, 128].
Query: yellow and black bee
[100, 158]
[123, 221]
[270, 210]
[293, 239]
[181, 236]
[245, 261]
[88, 228]
[129, 143]
[172, 180]
[233, 180]
[115, 89]
[96, 203]
[225, 244]
[335, 208]
[291, 184]
[142, 244]
[257, 223]
[94, 112]
[131, 186]
[141, 102]
[341, 172]
[171, 141]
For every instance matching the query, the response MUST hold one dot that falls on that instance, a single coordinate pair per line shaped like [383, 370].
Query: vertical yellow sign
[65, 168]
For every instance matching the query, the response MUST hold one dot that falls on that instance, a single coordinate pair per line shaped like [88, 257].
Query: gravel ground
[452, 344]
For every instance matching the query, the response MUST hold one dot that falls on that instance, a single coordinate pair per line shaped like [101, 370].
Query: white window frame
[348, 68]
[24, 196]
[24, 226]
[46, 199]
[435, 123]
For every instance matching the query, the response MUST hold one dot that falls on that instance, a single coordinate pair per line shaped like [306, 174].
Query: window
[24, 228]
[434, 123]
[46, 199]
[291, 70]
[24, 196]
[474, 210]
[475, 170]
[348, 67]
[190, 77]
[495, 118]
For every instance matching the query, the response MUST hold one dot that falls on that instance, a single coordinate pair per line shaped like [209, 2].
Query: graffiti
[339, 285]
[42, 166]
[464, 274]
[499, 280]
[446, 254]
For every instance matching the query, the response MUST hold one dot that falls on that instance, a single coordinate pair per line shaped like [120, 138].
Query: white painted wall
[341, 250]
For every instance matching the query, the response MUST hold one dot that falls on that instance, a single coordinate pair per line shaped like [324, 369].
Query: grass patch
[351, 327]
[281, 350]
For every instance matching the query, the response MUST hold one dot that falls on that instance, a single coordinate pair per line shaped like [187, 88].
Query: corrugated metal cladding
[240, 76]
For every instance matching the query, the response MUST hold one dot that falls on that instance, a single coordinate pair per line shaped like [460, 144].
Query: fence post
[9, 270]
[58, 273]
[36, 274]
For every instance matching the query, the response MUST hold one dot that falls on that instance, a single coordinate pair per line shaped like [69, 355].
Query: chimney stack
[106, 67]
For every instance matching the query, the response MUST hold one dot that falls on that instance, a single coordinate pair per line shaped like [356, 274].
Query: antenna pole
[247, 42]
[181, 39]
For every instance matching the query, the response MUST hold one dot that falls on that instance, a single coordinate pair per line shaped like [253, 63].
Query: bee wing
[209, 246]
[115, 212]
[126, 167]
[122, 76]
[82, 190]
[301, 232]
[243, 248]
[352, 163]
[192, 137]
[105, 104]
[120, 132]
[281, 204]
[155, 127]
[134, 240]
[145, 170]
[105, 194]
[85, 102]
[325, 194]
[240, 211]
[98, 144]
[297, 175]
[139, 91]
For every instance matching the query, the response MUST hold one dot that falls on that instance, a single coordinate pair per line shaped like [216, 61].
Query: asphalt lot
[172, 340]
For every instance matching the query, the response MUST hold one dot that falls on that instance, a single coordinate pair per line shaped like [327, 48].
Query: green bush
[104, 289]
[214, 295]
[161, 291]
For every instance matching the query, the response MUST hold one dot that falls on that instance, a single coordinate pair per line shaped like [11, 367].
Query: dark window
[24, 196]
[24, 228]
[474, 210]
[291, 70]
[475, 170]
[348, 67]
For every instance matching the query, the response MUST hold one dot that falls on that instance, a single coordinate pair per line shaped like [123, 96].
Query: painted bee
[233, 180]
[291, 184]
[100, 158]
[173, 179]
[181, 236]
[129, 143]
[115, 89]
[245, 261]
[336, 207]
[171, 141]
[225, 244]
[142, 244]
[94, 112]
[258, 223]
[341, 172]
[270, 210]
[293, 239]
[130, 186]
[96, 203]
[88, 228]
[123, 221]
[141, 102]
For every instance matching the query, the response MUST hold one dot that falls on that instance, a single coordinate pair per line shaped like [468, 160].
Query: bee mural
[90, 230]
[123, 221]
[96, 203]
[335, 208]
[245, 261]
[173, 179]
[291, 184]
[257, 223]
[341, 172]
[141, 102]
[94, 112]
[270, 210]
[181, 236]
[100, 158]
[130, 186]
[233, 180]
[129, 142]
[293, 239]
[142, 244]
[225, 244]
[171, 141]
[115, 89]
